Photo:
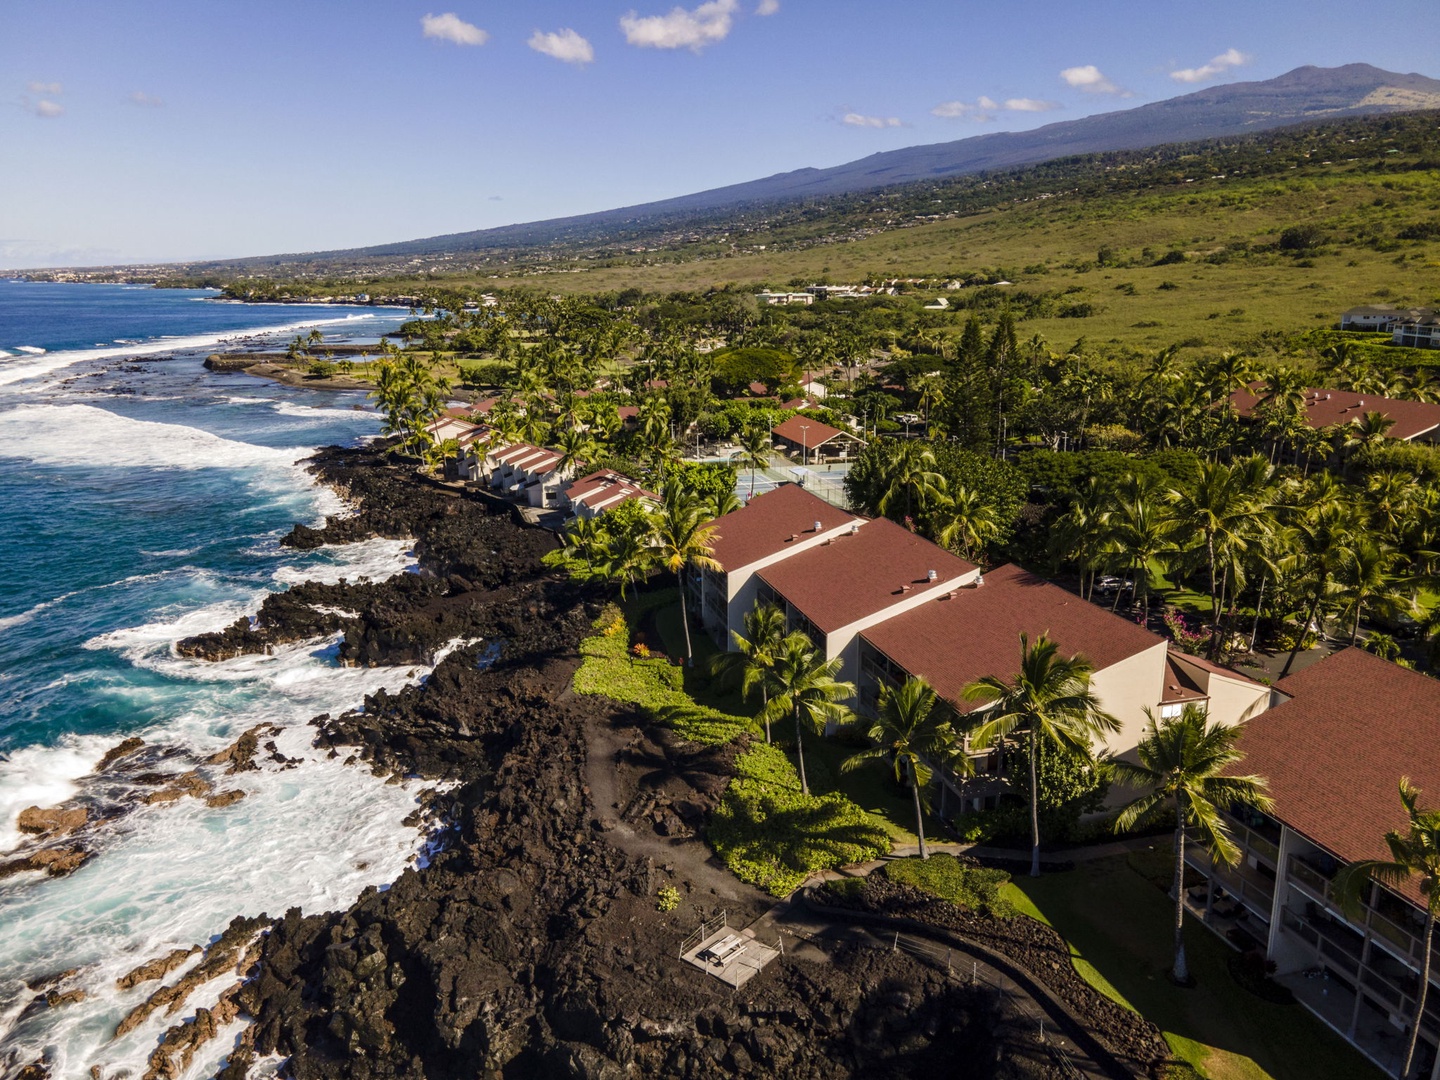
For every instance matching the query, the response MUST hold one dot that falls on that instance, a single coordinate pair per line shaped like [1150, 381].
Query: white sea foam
[373, 559]
[288, 408]
[56, 361]
[5, 355]
[96, 438]
[172, 875]
[248, 400]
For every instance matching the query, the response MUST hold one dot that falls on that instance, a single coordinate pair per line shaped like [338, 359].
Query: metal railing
[707, 928]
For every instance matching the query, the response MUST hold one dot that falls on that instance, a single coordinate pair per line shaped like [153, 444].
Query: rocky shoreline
[529, 943]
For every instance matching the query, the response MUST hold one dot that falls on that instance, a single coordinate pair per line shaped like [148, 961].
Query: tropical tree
[1182, 760]
[1142, 531]
[1364, 575]
[1226, 508]
[1414, 853]
[1320, 540]
[754, 450]
[807, 690]
[1048, 700]
[682, 539]
[753, 659]
[909, 477]
[961, 519]
[913, 736]
[1083, 531]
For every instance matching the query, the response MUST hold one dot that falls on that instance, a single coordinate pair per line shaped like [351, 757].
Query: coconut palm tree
[1364, 575]
[1180, 767]
[909, 477]
[682, 539]
[1048, 700]
[963, 521]
[626, 558]
[752, 661]
[1320, 540]
[587, 536]
[913, 736]
[1226, 508]
[1142, 531]
[1414, 853]
[1083, 531]
[806, 689]
[754, 450]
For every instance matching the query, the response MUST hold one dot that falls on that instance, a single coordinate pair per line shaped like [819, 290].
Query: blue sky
[175, 129]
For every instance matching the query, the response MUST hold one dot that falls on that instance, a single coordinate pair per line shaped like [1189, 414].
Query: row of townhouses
[1414, 328]
[1334, 740]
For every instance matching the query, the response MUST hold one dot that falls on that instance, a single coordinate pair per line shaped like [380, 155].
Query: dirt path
[689, 859]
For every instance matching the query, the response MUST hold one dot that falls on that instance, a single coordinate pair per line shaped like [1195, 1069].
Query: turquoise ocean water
[143, 499]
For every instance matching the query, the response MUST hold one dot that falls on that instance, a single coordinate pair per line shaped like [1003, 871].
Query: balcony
[1243, 882]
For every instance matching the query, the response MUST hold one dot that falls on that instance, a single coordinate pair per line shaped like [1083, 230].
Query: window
[1169, 712]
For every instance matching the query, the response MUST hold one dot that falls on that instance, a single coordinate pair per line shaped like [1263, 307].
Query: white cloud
[1089, 79]
[768, 7]
[859, 120]
[983, 109]
[450, 27]
[45, 110]
[51, 88]
[1218, 65]
[681, 29]
[139, 97]
[1025, 104]
[564, 45]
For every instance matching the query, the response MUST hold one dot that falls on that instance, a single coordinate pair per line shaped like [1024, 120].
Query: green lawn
[872, 788]
[1118, 926]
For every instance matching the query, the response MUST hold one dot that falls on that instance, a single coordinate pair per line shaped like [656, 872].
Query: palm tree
[1142, 531]
[1083, 531]
[912, 735]
[1049, 700]
[754, 450]
[910, 475]
[1225, 506]
[806, 688]
[1320, 541]
[626, 558]
[1365, 575]
[1180, 767]
[683, 539]
[586, 535]
[754, 656]
[1413, 853]
[963, 520]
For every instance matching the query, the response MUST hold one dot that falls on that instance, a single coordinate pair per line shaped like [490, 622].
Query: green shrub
[974, 888]
[657, 686]
[772, 835]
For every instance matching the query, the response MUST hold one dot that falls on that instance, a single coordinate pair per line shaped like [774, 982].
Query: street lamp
[804, 444]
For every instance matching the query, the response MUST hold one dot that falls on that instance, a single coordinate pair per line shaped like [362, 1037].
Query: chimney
[817, 526]
[932, 575]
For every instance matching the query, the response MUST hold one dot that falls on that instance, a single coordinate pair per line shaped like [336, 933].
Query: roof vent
[904, 588]
[794, 537]
[1327, 397]
[979, 580]
[1360, 404]
[854, 527]
[932, 575]
[817, 526]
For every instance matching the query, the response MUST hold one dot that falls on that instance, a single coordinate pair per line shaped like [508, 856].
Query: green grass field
[1118, 926]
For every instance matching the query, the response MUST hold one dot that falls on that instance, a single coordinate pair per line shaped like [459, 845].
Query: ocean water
[143, 499]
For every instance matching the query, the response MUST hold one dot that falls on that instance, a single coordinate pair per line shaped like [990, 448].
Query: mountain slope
[1307, 93]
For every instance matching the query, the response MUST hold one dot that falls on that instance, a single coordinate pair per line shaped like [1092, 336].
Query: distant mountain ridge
[1306, 93]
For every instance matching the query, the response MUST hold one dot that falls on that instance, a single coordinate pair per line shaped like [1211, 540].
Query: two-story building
[528, 473]
[1334, 753]
[589, 496]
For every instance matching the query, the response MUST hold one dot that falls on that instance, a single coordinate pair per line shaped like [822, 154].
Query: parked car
[1114, 584]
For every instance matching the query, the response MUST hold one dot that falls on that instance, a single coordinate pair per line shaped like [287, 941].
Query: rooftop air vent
[854, 527]
[817, 526]
[932, 575]
[979, 580]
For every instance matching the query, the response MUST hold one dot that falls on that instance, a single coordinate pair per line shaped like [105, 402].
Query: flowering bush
[1190, 641]
[640, 650]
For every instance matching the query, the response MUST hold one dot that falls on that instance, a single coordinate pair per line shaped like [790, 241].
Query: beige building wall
[1126, 690]
[743, 585]
[1233, 701]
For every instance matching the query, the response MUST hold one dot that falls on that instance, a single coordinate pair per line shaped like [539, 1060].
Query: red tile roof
[806, 431]
[765, 526]
[606, 488]
[951, 643]
[1325, 407]
[1214, 669]
[1334, 754]
[858, 575]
